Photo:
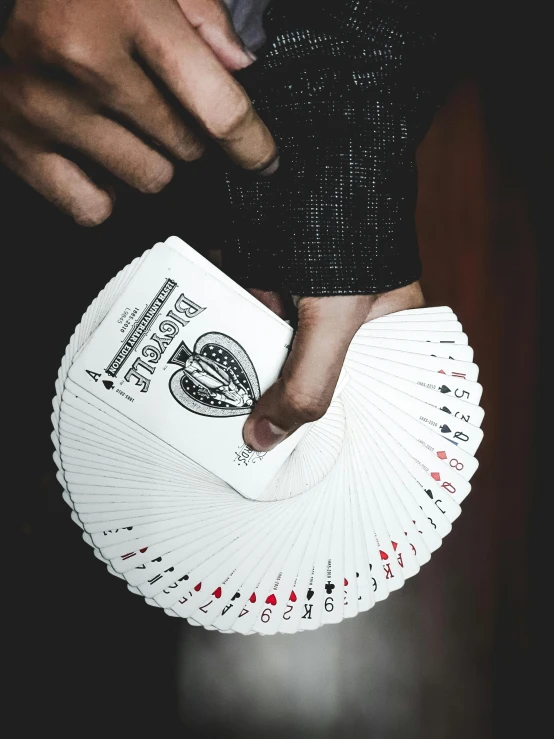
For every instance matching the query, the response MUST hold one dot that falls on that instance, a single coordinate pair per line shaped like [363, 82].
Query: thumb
[302, 394]
[211, 20]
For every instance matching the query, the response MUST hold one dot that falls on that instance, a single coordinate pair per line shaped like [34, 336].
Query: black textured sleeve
[348, 89]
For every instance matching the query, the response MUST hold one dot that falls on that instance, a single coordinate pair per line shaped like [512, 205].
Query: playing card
[193, 363]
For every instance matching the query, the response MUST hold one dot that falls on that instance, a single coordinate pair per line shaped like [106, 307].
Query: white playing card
[468, 412]
[447, 350]
[191, 368]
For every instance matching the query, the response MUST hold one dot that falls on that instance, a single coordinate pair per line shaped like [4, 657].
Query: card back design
[217, 378]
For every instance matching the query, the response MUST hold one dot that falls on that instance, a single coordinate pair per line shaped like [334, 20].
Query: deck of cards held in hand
[151, 398]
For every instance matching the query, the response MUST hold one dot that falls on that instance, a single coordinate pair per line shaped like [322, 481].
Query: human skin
[132, 85]
[326, 326]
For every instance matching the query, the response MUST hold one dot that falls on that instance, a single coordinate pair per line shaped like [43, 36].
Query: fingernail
[250, 57]
[266, 435]
[270, 169]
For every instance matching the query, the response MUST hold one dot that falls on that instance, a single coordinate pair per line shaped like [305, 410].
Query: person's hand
[326, 327]
[87, 76]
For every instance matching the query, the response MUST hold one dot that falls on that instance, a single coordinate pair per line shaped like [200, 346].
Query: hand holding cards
[151, 398]
[184, 355]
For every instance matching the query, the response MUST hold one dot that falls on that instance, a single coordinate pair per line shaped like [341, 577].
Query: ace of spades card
[190, 365]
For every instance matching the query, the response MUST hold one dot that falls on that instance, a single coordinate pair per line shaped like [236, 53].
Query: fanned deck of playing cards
[151, 398]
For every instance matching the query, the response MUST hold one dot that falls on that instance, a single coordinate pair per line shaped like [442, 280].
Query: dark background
[456, 653]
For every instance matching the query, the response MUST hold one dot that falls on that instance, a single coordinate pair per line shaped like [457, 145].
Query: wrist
[402, 298]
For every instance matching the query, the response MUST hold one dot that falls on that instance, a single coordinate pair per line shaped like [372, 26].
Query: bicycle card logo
[217, 377]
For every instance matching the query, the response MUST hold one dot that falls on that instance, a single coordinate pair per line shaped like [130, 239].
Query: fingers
[127, 91]
[119, 151]
[303, 392]
[194, 74]
[210, 19]
[326, 327]
[60, 181]
[48, 106]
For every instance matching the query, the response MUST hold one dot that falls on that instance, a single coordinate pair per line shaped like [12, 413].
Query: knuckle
[306, 406]
[156, 178]
[77, 56]
[37, 107]
[160, 50]
[55, 45]
[237, 114]
[73, 52]
[213, 11]
[219, 14]
[172, 134]
[194, 151]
